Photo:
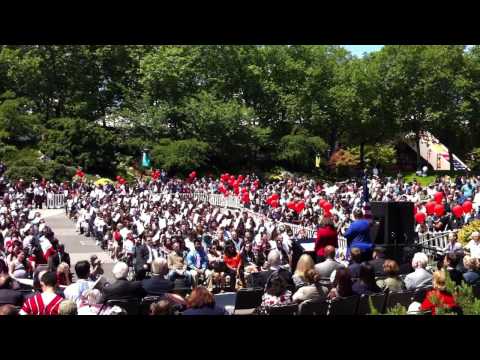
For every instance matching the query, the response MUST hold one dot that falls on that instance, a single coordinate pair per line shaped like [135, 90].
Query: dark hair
[49, 279]
[82, 269]
[277, 286]
[367, 275]
[201, 297]
[356, 255]
[452, 259]
[343, 282]
[230, 249]
[163, 307]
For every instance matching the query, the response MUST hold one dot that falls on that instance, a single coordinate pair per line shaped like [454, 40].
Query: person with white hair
[158, 284]
[122, 288]
[473, 245]
[420, 276]
[274, 261]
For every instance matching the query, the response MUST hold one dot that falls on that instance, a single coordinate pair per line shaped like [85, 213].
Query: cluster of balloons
[79, 173]
[326, 206]
[121, 180]
[231, 185]
[436, 208]
[273, 200]
[296, 206]
[155, 174]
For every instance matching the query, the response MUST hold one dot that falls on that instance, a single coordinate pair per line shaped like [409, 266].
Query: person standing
[326, 235]
[358, 235]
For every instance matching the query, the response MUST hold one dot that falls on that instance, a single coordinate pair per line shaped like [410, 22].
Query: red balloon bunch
[438, 197]
[430, 207]
[192, 175]
[439, 210]
[467, 206]
[457, 210]
[245, 198]
[79, 173]
[155, 174]
[420, 217]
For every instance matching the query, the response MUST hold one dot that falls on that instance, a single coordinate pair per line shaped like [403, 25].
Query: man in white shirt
[74, 291]
[474, 245]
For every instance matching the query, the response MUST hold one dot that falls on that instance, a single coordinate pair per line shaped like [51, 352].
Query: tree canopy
[232, 106]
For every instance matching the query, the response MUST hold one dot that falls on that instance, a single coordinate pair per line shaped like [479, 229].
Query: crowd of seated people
[177, 245]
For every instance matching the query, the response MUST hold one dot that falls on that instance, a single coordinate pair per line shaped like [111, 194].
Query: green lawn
[424, 181]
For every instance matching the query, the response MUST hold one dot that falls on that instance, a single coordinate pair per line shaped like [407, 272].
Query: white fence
[55, 201]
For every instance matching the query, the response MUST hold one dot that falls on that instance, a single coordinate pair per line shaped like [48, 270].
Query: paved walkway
[78, 246]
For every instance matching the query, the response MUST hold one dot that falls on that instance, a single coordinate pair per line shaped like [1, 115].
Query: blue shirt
[195, 258]
[358, 235]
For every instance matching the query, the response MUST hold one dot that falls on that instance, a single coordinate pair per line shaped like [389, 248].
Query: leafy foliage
[466, 231]
[180, 156]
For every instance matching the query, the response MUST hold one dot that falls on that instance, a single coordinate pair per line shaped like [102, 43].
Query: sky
[358, 50]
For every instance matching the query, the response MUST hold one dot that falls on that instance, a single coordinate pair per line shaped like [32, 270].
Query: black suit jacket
[157, 286]
[124, 289]
[141, 256]
[8, 296]
[377, 265]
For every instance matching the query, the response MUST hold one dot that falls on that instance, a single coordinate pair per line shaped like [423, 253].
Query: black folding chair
[378, 301]
[404, 298]
[131, 306]
[313, 307]
[344, 306]
[290, 309]
[248, 298]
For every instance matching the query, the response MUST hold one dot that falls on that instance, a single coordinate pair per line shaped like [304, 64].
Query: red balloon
[299, 207]
[327, 214]
[291, 205]
[430, 207]
[327, 206]
[240, 178]
[439, 210]
[275, 196]
[275, 203]
[457, 210]
[118, 177]
[322, 202]
[438, 197]
[420, 217]
[194, 174]
[467, 206]
[246, 198]
[232, 178]
[236, 191]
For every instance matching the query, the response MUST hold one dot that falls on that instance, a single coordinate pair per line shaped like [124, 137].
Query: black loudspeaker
[393, 226]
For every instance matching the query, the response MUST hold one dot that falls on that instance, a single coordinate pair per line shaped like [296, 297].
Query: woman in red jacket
[326, 235]
[444, 298]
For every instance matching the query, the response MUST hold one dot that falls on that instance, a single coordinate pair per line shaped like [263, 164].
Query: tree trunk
[417, 144]
[362, 155]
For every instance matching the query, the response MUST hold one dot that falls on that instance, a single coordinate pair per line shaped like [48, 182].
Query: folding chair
[313, 307]
[404, 298]
[290, 309]
[131, 306]
[344, 306]
[247, 300]
[378, 301]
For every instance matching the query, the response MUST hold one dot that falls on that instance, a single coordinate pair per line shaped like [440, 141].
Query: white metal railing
[55, 201]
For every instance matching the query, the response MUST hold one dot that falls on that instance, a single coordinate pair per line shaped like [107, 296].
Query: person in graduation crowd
[47, 302]
[358, 235]
[144, 220]
[122, 288]
[158, 284]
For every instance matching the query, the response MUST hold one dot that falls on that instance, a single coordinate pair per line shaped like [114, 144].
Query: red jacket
[325, 236]
[445, 298]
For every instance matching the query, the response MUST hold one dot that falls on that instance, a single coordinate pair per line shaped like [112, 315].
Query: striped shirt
[42, 304]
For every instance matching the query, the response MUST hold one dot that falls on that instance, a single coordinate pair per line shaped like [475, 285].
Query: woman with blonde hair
[439, 296]
[304, 264]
